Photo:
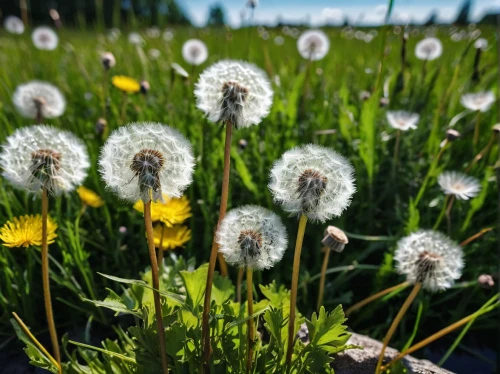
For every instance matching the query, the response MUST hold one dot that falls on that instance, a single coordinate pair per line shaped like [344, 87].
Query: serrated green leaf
[222, 289]
[194, 282]
[327, 328]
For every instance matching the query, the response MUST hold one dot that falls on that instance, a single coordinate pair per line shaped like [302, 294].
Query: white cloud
[333, 15]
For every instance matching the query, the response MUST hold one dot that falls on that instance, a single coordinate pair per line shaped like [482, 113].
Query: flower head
[481, 43]
[126, 84]
[313, 44]
[171, 212]
[41, 156]
[314, 181]
[108, 60]
[401, 120]
[45, 38]
[481, 101]
[234, 92]
[14, 25]
[35, 96]
[431, 258]
[135, 38]
[462, 186]
[429, 49]
[194, 52]
[26, 231]
[252, 237]
[89, 197]
[146, 160]
[171, 237]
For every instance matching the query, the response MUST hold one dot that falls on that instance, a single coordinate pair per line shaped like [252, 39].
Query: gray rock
[364, 361]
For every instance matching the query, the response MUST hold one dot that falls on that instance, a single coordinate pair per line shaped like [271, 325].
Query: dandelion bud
[100, 126]
[145, 87]
[452, 135]
[496, 128]
[335, 239]
[486, 281]
[384, 101]
[108, 60]
[242, 144]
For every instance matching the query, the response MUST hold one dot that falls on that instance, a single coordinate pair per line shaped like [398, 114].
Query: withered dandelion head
[144, 161]
[313, 45]
[194, 52]
[26, 231]
[234, 92]
[314, 181]
[45, 38]
[431, 258]
[41, 156]
[252, 237]
[39, 97]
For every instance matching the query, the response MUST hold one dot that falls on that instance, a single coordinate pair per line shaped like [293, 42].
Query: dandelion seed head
[194, 52]
[431, 258]
[42, 156]
[401, 120]
[252, 237]
[14, 25]
[312, 180]
[135, 38]
[234, 91]
[461, 185]
[481, 101]
[313, 44]
[429, 49]
[33, 96]
[45, 38]
[143, 161]
[108, 60]
[481, 43]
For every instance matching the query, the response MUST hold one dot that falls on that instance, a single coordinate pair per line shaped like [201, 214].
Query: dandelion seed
[173, 237]
[108, 60]
[173, 211]
[252, 237]
[37, 98]
[194, 52]
[41, 156]
[45, 38]
[462, 186]
[26, 231]
[89, 197]
[429, 49]
[481, 101]
[431, 258]
[126, 84]
[14, 25]
[401, 120]
[234, 92]
[143, 161]
[313, 45]
[313, 181]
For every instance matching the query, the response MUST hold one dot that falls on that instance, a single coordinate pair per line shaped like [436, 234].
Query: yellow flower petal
[126, 84]
[172, 212]
[173, 237]
[26, 231]
[89, 197]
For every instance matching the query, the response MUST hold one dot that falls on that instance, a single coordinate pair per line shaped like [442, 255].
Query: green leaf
[195, 283]
[244, 173]
[222, 289]
[479, 200]
[105, 351]
[114, 302]
[413, 217]
[328, 329]
[367, 133]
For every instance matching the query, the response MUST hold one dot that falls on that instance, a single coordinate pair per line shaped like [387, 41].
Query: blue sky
[318, 12]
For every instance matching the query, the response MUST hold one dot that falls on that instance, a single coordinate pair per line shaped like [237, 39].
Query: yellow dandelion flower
[26, 231]
[172, 212]
[173, 237]
[89, 197]
[126, 84]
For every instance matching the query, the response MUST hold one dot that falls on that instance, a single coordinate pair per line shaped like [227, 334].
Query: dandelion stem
[104, 92]
[213, 253]
[475, 236]
[293, 293]
[46, 279]
[441, 333]
[241, 272]
[39, 115]
[378, 295]
[481, 154]
[160, 250]
[395, 323]
[448, 213]
[39, 345]
[476, 129]
[323, 276]
[396, 153]
[442, 213]
[123, 110]
[250, 324]
[156, 285]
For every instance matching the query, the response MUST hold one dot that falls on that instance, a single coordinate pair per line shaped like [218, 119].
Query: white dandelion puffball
[108, 60]
[431, 258]
[143, 161]
[461, 185]
[401, 120]
[14, 25]
[194, 52]
[45, 38]
[34, 96]
[234, 92]
[481, 43]
[135, 38]
[481, 101]
[41, 156]
[313, 44]
[252, 237]
[429, 49]
[314, 181]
